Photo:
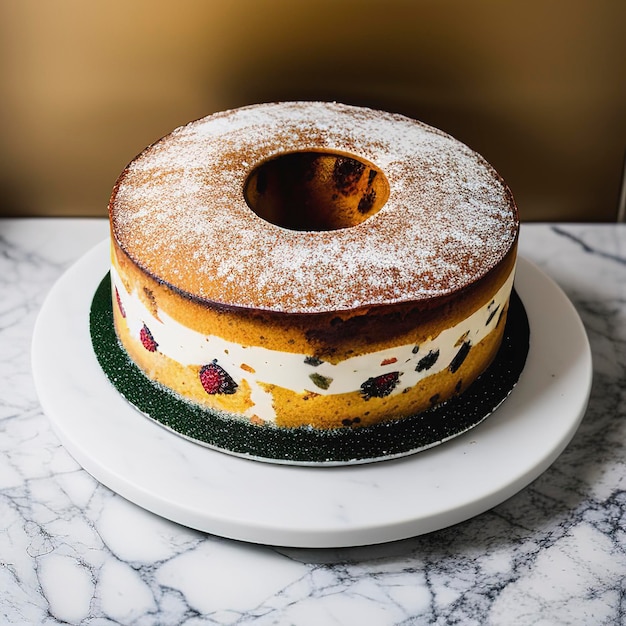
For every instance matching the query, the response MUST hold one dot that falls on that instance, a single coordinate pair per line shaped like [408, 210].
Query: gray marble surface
[73, 552]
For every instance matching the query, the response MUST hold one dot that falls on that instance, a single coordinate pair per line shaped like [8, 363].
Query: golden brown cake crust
[178, 212]
[329, 336]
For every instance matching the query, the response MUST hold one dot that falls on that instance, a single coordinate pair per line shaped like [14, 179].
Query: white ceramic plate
[311, 506]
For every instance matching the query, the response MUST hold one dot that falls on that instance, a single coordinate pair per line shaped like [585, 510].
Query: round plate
[311, 506]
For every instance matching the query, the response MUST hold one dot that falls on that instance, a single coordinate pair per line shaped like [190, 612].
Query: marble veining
[73, 552]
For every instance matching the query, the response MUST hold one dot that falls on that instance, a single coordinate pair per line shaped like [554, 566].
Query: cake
[311, 265]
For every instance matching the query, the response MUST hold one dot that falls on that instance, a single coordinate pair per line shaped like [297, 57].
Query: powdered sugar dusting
[179, 212]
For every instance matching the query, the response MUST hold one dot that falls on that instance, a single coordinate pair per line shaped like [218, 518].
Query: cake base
[308, 446]
[309, 507]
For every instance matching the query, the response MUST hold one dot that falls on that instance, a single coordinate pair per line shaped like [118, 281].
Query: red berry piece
[390, 361]
[119, 303]
[380, 386]
[147, 339]
[215, 379]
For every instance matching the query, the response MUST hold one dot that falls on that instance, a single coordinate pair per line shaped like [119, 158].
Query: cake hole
[316, 191]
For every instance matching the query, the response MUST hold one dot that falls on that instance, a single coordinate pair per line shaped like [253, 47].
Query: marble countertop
[74, 552]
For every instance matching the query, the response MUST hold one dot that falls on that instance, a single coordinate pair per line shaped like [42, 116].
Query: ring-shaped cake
[311, 265]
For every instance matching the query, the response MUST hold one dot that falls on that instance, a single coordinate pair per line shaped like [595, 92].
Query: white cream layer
[296, 371]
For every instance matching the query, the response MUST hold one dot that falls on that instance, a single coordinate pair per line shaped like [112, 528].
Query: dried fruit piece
[426, 362]
[216, 380]
[380, 386]
[313, 360]
[460, 356]
[147, 339]
[491, 314]
[120, 306]
[323, 382]
[389, 361]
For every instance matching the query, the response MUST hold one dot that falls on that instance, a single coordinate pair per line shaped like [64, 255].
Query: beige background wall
[538, 87]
